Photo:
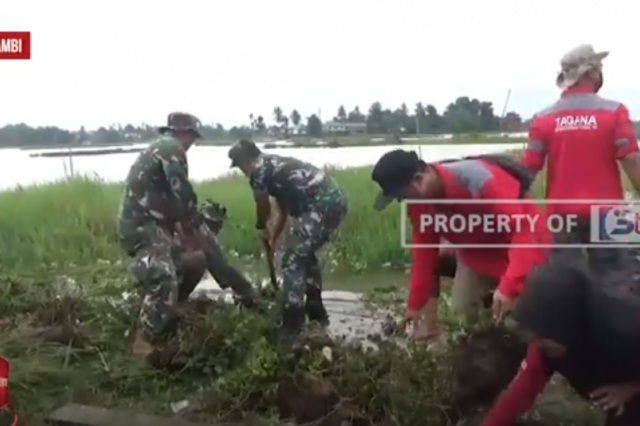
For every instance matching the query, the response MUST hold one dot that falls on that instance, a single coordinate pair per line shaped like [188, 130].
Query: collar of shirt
[579, 89]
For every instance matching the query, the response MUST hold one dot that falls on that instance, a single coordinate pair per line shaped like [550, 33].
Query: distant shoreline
[127, 148]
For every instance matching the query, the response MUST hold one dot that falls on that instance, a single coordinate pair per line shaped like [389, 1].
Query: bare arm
[626, 147]
[283, 215]
[631, 166]
[263, 210]
[259, 182]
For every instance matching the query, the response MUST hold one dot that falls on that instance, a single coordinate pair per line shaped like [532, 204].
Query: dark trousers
[447, 266]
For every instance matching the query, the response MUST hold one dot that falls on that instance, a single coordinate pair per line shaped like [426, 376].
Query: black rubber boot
[316, 312]
[314, 307]
[292, 325]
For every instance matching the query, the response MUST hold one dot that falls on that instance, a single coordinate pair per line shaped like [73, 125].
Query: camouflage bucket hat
[577, 62]
[181, 121]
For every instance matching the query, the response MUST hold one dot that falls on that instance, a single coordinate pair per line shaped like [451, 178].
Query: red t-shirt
[581, 136]
[475, 179]
[522, 392]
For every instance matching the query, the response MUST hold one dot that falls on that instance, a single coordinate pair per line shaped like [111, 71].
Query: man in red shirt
[601, 365]
[402, 175]
[583, 137]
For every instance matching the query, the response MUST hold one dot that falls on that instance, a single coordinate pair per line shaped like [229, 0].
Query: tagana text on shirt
[15, 45]
[495, 223]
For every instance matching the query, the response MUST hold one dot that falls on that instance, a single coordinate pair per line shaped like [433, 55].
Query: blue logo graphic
[615, 224]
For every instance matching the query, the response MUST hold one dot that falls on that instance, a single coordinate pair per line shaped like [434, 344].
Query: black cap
[393, 171]
[243, 150]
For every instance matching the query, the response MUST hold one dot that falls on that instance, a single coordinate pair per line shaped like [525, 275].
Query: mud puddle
[350, 317]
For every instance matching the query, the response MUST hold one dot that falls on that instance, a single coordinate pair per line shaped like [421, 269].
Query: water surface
[17, 168]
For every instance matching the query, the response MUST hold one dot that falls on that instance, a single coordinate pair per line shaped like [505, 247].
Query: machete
[272, 268]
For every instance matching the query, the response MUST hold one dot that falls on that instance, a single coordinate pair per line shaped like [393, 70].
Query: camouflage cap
[243, 150]
[577, 62]
[181, 121]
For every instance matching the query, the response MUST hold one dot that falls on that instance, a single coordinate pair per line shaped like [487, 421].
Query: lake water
[17, 168]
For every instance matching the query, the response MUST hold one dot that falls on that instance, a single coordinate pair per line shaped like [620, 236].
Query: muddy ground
[357, 321]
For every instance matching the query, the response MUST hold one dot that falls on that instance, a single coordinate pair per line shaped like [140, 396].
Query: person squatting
[168, 238]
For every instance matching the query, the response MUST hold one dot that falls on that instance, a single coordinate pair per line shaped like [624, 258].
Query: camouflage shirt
[298, 185]
[158, 186]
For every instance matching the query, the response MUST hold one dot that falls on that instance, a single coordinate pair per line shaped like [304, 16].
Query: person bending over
[309, 196]
[402, 175]
[566, 338]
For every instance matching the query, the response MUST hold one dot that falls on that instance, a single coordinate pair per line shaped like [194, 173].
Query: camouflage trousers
[159, 271]
[301, 270]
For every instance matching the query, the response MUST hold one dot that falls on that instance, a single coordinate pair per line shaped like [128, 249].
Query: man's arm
[184, 198]
[424, 281]
[535, 152]
[263, 210]
[283, 215]
[259, 182]
[626, 147]
[522, 391]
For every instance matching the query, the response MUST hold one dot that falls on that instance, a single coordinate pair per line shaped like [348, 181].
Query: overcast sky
[115, 61]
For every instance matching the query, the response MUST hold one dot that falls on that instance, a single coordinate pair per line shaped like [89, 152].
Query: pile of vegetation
[69, 342]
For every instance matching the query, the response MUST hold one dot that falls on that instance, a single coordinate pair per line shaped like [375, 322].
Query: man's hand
[425, 331]
[410, 317]
[273, 240]
[264, 235]
[270, 250]
[186, 238]
[614, 397]
[502, 305]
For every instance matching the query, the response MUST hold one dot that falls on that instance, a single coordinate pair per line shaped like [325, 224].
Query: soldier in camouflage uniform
[159, 222]
[310, 196]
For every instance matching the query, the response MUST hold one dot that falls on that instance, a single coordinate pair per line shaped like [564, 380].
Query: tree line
[464, 115]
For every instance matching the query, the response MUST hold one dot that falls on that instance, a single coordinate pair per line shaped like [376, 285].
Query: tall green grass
[74, 222]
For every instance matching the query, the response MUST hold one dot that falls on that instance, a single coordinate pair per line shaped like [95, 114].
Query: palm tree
[295, 117]
[419, 112]
[277, 114]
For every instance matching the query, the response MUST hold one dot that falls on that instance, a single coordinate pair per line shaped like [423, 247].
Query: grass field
[64, 324]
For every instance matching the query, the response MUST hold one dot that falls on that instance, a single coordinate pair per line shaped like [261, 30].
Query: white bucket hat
[577, 62]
